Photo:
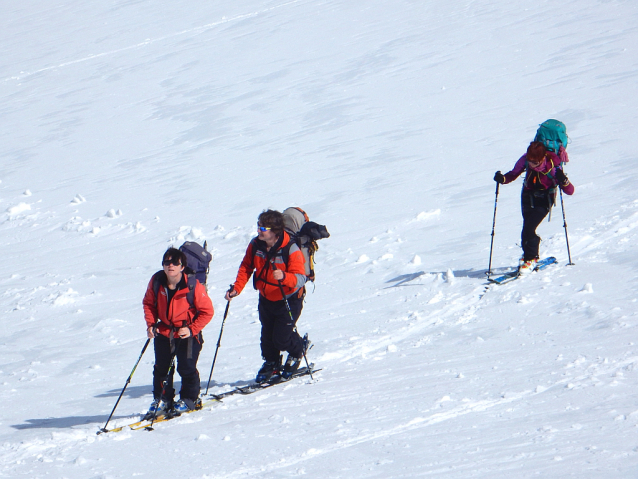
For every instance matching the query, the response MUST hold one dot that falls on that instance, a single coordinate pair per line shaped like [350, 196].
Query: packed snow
[132, 126]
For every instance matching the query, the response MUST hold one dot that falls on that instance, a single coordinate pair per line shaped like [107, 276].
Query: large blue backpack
[552, 134]
[198, 259]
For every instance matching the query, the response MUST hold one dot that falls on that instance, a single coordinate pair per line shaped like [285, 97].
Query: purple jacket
[546, 170]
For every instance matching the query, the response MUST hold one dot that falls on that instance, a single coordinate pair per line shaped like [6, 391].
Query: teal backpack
[552, 134]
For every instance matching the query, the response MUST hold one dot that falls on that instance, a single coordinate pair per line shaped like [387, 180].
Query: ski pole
[562, 206]
[125, 386]
[281, 288]
[164, 384]
[219, 342]
[489, 268]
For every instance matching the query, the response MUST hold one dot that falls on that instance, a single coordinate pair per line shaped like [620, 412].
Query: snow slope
[131, 126]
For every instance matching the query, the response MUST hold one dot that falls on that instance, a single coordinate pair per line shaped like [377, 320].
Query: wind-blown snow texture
[132, 126]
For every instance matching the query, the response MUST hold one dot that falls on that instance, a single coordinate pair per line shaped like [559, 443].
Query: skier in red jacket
[178, 333]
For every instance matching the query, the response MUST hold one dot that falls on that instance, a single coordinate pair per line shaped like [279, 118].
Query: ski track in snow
[149, 41]
[66, 441]
[416, 423]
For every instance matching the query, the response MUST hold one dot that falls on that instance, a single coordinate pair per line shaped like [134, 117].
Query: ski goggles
[172, 261]
[263, 228]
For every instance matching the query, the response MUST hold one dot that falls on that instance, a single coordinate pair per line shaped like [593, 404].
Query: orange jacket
[260, 261]
[179, 313]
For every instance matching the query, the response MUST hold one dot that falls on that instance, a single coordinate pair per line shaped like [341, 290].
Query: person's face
[536, 164]
[172, 268]
[266, 234]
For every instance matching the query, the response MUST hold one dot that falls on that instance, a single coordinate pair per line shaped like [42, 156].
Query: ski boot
[185, 405]
[292, 364]
[157, 408]
[267, 371]
[527, 267]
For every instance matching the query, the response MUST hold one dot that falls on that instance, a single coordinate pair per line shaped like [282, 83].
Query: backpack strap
[285, 256]
[285, 251]
[156, 285]
[191, 282]
[276, 250]
[190, 296]
[260, 245]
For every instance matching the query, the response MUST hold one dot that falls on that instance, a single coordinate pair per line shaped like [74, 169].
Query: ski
[277, 379]
[144, 423]
[512, 275]
[213, 399]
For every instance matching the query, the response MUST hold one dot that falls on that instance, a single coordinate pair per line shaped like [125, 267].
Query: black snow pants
[278, 329]
[187, 353]
[535, 205]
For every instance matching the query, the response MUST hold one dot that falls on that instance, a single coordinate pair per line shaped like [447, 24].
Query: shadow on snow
[131, 392]
[462, 273]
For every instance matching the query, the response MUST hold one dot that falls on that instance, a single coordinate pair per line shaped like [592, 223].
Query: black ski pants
[187, 353]
[535, 206]
[278, 329]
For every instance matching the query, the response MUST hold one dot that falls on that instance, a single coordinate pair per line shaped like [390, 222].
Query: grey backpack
[304, 233]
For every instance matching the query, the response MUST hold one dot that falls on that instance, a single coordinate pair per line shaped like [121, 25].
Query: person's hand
[561, 178]
[278, 274]
[150, 332]
[230, 294]
[499, 178]
[183, 333]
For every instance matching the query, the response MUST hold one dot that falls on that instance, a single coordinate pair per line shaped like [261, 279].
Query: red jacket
[255, 260]
[179, 313]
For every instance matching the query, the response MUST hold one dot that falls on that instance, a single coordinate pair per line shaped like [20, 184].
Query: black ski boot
[267, 371]
[292, 364]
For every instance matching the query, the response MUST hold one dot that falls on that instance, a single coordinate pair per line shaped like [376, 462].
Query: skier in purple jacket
[544, 174]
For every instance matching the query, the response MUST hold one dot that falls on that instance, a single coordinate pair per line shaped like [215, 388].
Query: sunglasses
[174, 262]
[263, 228]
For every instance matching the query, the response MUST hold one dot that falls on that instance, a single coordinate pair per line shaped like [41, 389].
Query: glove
[561, 179]
[499, 178]
[231, 293]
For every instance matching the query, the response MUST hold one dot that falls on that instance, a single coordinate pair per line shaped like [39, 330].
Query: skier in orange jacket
[278, 265]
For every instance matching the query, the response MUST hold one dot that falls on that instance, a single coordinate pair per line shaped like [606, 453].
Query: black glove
[231, 293]
[499, 178]
[561, 179]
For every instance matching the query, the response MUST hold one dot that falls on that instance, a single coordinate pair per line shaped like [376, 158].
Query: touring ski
[512, 275]
[143, 423]
[213, 399]
[277, 379]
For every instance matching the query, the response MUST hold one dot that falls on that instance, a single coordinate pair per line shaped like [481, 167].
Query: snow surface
[129, 126]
